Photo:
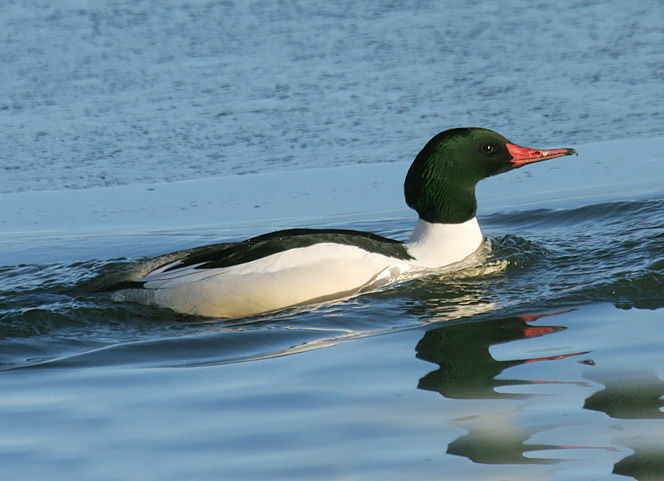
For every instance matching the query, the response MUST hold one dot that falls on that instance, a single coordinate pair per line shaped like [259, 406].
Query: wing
[202, 262]
[127, 275]
[280, 241]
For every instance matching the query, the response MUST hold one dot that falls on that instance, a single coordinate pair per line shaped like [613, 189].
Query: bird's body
[294, 267]
[299, 266]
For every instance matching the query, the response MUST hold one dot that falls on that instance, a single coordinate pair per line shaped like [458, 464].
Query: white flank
[316, 273]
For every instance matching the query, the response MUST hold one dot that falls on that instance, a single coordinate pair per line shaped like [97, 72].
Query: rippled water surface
[540, 360]
[543, 363]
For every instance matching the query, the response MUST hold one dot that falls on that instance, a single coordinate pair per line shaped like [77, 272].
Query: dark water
[544, 363]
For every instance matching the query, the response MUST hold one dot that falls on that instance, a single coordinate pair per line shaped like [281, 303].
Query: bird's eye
[487, 149]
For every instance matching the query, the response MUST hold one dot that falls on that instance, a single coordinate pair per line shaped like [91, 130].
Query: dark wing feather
[236, 253]
[280, 241]
[125, 276]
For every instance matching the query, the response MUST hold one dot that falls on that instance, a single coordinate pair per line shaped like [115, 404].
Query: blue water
[545, 362]
[550, 353]
[114, 92]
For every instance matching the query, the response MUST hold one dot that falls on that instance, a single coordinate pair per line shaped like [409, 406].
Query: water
[113, 92]
[542, 362]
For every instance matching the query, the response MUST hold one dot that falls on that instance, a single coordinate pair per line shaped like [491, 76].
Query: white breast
[439, 245]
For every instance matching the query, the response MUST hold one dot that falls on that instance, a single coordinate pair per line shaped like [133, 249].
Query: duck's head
[440, 184]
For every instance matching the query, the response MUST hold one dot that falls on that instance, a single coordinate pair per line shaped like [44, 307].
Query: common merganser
[303, 266]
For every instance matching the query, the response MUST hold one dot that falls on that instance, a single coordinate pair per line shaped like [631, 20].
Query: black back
[227, 255]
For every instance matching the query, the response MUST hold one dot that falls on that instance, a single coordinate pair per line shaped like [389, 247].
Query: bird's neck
[440, 244]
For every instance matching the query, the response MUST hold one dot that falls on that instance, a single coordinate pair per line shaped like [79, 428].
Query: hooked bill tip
[524, 155]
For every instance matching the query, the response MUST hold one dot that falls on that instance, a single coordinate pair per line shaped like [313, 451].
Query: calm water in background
[543, 363]
[117, 91]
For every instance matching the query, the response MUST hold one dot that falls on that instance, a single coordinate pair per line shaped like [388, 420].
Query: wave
[605, 252]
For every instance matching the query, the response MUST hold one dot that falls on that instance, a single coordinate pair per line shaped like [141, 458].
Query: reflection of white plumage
[299, 266]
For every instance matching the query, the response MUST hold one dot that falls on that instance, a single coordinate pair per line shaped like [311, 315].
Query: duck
[302, 267]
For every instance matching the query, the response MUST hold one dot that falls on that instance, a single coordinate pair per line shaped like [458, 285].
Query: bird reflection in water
[467, 370]
[634, 395]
